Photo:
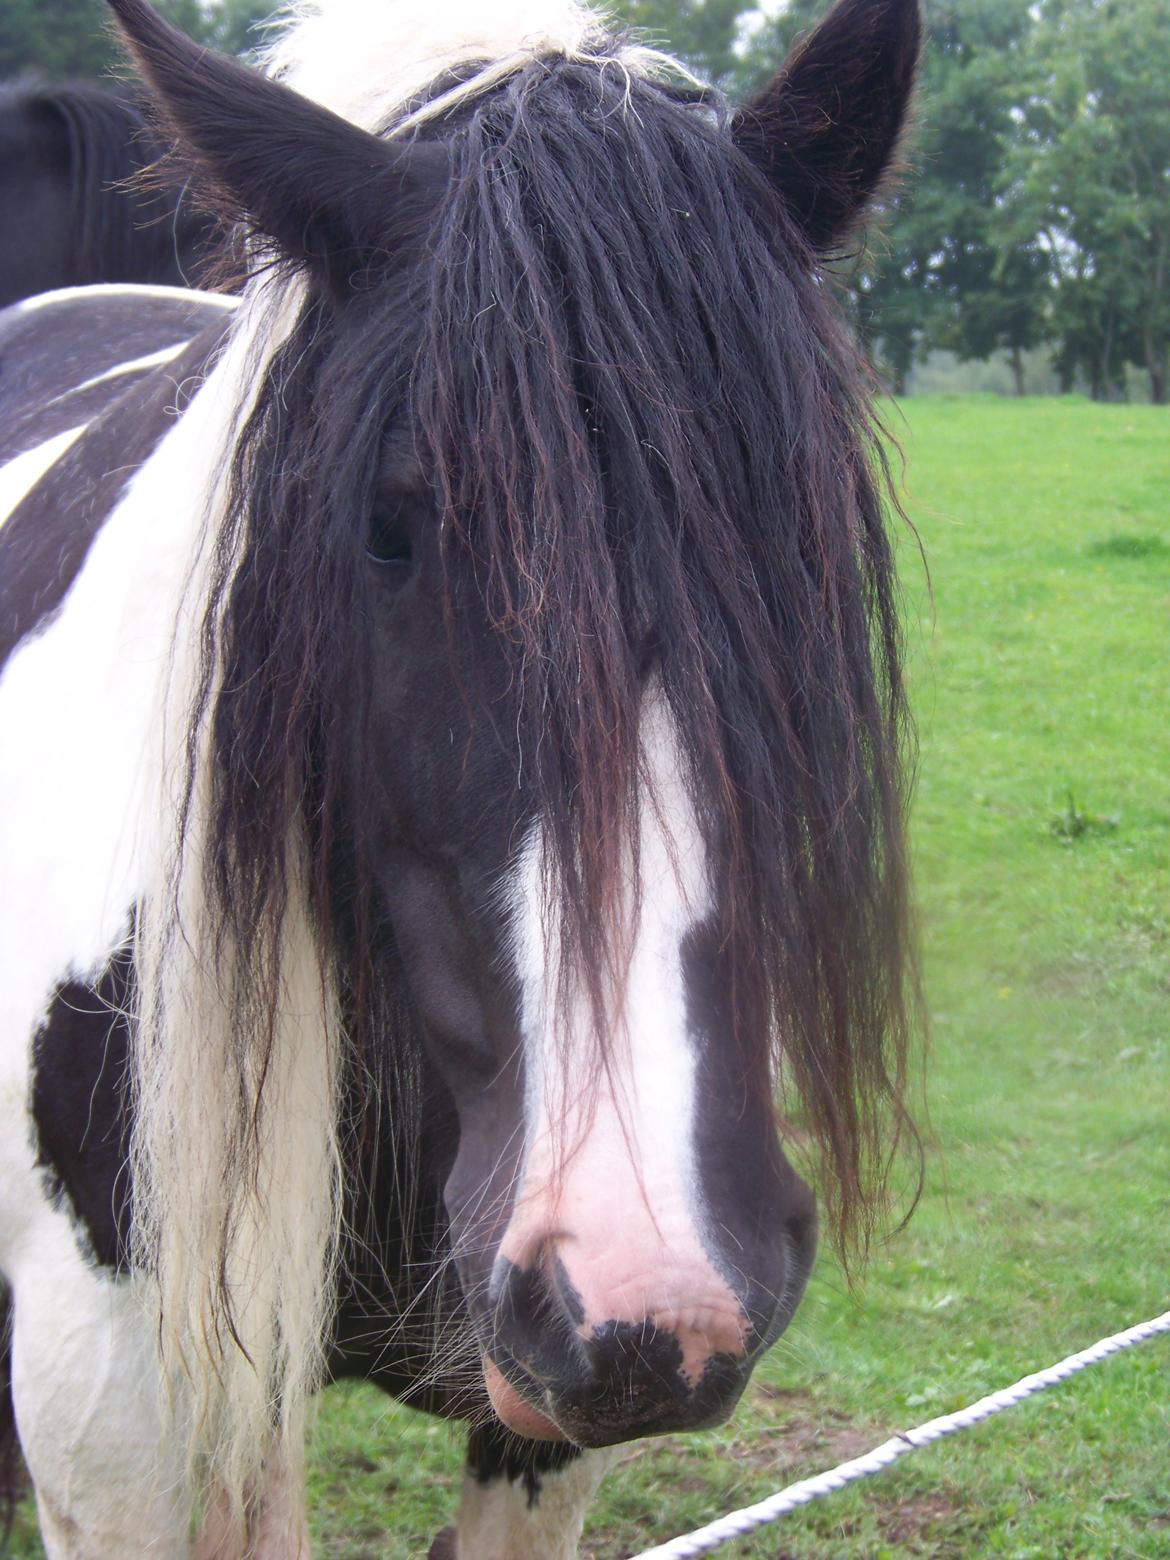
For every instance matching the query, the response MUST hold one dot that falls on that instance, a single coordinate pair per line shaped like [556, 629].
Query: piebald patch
[136, 365]
[500, 1521]
[22, 473]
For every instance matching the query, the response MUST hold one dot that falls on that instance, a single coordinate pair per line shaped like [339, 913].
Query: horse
[68, 216]
[455, 771]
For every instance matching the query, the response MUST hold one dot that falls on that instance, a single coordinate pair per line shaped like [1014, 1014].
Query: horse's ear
[327, 192]
[826, 130]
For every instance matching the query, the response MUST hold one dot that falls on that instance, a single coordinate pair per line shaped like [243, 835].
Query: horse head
[554, 616]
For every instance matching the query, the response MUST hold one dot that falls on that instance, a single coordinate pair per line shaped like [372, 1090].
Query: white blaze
[609, 1177]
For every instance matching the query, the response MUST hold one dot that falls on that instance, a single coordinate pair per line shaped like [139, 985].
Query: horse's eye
[388, 540]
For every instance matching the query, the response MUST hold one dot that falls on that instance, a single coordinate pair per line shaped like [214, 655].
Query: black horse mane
[650, 435]
[124, 228]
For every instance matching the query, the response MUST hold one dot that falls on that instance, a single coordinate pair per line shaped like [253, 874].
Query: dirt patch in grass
[1074, 976]
[805, 1448]
[908, 1522]
[796, 1438]
[800, 1437]
[935, 1526]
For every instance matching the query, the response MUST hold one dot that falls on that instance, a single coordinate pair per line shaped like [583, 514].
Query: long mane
[120, 229]
[653, 439]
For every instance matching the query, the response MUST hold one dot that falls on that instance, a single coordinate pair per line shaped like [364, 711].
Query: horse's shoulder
[66, 464]
[66, 356]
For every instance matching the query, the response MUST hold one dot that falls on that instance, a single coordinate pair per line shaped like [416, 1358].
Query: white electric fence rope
[739, 1523]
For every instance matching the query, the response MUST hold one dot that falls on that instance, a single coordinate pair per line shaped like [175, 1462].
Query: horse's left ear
[826, 131]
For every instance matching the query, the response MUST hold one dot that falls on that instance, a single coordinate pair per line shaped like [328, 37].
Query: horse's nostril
[538, 1316]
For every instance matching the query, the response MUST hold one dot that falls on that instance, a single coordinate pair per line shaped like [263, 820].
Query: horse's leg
[85, 1389]
[279, 1525]
[522, 1500]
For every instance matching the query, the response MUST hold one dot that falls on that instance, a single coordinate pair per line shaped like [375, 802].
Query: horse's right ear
[328, 193]
[826, 130]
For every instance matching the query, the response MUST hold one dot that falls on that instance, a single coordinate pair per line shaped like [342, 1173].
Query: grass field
[1041, 680]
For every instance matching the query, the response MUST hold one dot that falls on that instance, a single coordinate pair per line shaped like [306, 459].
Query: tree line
[73, 40]
[1034, 210]
[1035, 206]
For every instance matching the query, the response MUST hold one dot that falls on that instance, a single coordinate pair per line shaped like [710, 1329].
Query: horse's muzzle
[551, 1374]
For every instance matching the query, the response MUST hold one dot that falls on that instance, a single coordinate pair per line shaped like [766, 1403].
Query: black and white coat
[141, 1407]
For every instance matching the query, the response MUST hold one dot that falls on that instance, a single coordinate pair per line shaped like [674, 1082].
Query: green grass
[1040, 674]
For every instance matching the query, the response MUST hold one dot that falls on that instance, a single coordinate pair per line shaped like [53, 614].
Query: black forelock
[655, 438]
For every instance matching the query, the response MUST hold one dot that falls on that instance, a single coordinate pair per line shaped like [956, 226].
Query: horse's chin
[518, 1414]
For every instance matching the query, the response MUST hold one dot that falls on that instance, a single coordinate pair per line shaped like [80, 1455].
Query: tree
[972, 293]
[704, 34]
[1091, 176]
[73, 39]
[236, 25]
[934, 270]
[68, 39]
[991, 294]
